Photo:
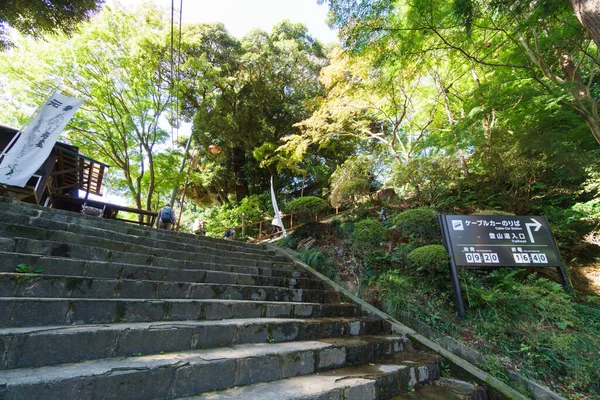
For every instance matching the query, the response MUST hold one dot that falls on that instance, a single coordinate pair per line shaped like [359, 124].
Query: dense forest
[459, 107]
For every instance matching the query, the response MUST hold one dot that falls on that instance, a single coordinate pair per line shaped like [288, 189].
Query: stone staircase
[118, 311]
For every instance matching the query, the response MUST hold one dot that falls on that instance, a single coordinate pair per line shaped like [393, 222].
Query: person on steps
[166, 217]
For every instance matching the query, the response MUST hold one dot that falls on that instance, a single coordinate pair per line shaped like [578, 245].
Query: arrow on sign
[536, 224]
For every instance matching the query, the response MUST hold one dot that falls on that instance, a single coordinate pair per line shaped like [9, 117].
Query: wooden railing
[263, 230]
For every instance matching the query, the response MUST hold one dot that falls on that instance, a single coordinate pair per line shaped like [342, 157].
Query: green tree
[117, 64]
[36, 18]
[386, 106]
[259, 87]
[352, 181]
[542, 42]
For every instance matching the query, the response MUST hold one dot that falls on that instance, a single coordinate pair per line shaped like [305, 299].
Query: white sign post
[35, 142]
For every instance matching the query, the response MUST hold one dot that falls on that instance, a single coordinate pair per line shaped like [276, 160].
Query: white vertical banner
[276, 209]
[36, 141]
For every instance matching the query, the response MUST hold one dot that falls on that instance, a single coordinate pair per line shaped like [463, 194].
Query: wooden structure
[65, 180]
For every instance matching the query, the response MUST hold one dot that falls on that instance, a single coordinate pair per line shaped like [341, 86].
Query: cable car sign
[498, 241]
[507, 241]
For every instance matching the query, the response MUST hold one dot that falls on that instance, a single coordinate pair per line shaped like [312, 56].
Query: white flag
[36, 141]
[276, 209]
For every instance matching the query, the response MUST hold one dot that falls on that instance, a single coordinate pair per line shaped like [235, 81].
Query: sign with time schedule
[494, 241]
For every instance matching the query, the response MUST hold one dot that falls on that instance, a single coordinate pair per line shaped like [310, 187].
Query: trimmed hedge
[368, 233]
[432, 259]
[308, 207]
[419, 224]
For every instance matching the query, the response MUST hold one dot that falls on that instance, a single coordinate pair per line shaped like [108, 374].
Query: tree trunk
[588, 13]
[584, 102]
[452, 122]
[241, 183]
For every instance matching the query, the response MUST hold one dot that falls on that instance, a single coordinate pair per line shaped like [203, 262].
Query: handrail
[243, 229]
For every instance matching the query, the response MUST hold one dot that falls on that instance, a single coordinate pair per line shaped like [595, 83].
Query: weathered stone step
[376, 380]
[37, 285]
[445, 389]
[189, 271]
[55, 215]
[185, 373]
[20, 312]
[63, 243]
[18, 225]
[82, 252]
[21, 347]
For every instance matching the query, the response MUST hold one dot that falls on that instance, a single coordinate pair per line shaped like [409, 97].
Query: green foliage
[351, 181]
[308, 207]
[393, 288]
[377, 262]
[256, 207]
[37, 18]
[26, 269]
[419, 224]
[362, 211]
[535, 320]
[430, 178]
[431, 259]
[368, 233]
[318, 261]
[492, 212]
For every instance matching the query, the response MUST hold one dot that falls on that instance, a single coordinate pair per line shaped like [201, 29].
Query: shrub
[420, 224]
[318, 261]
[432, 258]
[368, 233]
[492, 212]
[393, 288]
[308, 207]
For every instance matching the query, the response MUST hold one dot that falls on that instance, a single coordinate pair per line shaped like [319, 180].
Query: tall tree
[37, 18]
[117, 65]
[258, 88]
[387, 106]
[541, 41]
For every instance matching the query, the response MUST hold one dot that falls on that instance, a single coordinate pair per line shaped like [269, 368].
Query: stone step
[34, 211]
[20, 225]
[376, 380]
[37, 285]
[64, 241]
[69, 344]
[182, 374]
[189, 271]
[21, 312]
[82, 252]
[104, 269]
[445, 389]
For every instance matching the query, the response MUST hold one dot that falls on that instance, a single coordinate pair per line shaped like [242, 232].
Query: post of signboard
[458, 299]
[492, 241]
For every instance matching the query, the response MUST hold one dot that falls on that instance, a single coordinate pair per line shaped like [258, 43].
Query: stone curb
[496, 389]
